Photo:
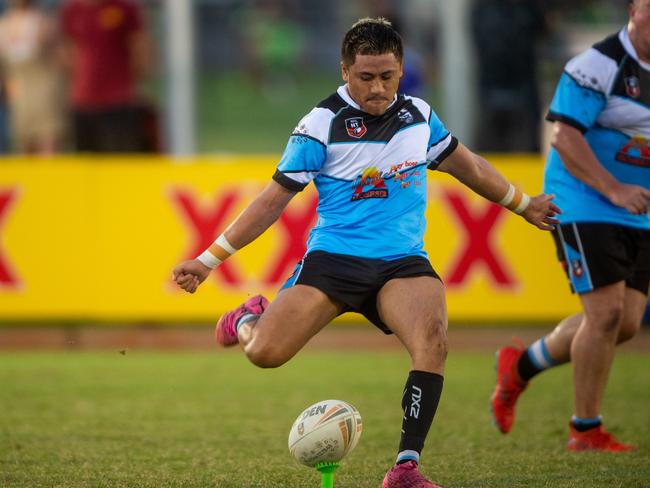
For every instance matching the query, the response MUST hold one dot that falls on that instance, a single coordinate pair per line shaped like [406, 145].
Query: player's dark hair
[371, 36]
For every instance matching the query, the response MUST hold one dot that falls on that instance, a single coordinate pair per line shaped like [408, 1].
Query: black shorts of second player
[594, 255]
[355, 282]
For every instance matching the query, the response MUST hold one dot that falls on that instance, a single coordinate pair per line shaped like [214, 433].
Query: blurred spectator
[109, 52]
[505, 34]
[275, 44]
[30, 53]
[5, 147]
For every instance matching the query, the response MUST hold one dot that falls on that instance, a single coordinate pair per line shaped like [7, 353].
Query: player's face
[373, 81]
[639, 28]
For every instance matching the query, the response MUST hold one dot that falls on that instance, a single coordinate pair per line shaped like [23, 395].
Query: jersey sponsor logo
[373, 178]
[633, 86]
[355, 127]
[635, 152]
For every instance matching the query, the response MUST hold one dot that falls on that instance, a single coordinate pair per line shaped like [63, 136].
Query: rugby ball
[325, 431]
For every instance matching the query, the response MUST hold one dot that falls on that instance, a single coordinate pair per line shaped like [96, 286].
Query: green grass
[200, 419]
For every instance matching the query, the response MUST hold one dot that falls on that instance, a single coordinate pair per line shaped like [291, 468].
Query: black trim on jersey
[611, 47]
[287, 182]
[334, 103]
[298, 134]
[401, 115]
[628, 68]
[556, 117]
[631, 72]
[453, 144]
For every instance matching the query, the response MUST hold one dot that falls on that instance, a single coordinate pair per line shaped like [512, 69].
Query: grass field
[198, 419]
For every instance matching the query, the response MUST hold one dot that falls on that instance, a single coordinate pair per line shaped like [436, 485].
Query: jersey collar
[345, 95]
[624, 37]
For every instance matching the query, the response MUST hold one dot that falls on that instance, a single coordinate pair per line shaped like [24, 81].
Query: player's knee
[608, 319]
[435, 342]
[265, 355]
[628, 330]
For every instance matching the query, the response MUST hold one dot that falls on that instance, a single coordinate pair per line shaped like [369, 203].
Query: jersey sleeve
[581, 93]
[305, 153]
[441, 143]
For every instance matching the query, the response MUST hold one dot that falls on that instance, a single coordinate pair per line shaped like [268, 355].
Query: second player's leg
[592, 348]
[559, 341]
[295, 316]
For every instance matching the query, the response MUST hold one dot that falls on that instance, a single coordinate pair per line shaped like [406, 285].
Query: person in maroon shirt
[109, 52]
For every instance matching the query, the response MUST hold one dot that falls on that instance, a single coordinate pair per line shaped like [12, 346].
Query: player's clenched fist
[190, 274]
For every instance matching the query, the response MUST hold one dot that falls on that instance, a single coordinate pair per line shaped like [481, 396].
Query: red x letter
[207, 225]
[295, 225]
[478, 248]
[7, 278]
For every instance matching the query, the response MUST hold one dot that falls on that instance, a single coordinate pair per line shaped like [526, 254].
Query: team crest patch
[355, 127]
[576, 268]
[633, 86]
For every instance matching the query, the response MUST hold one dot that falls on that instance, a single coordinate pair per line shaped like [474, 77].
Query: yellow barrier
[97, 238]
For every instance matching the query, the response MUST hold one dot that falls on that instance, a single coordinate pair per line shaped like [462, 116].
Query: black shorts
[596, 254]
[355, 282]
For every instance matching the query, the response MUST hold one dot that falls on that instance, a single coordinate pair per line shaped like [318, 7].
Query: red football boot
[508, 388]
[595, 439]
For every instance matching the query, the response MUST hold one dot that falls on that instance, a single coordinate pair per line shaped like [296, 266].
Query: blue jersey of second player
[605, 93]
[370, 173]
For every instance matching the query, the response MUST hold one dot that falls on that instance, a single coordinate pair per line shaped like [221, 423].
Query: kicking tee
[370, 173]
[605, 93]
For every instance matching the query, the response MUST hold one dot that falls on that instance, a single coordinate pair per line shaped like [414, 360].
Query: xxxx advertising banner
[96, 239]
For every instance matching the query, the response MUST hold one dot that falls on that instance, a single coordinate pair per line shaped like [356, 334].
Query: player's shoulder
[317, 122]
[596, 67]
[423, 107]
[612, 48]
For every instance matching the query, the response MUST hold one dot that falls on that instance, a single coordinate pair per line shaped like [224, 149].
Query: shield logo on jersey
[633, 86]
[355, 127]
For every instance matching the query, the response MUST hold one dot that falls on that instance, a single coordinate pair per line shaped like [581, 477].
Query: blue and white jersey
[370, 173]
[605, 93]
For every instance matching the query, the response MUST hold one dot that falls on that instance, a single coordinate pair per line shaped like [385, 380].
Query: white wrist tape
[510, 194]
[222, 247]
[525, 200]
[223, 242]
[515, 200]
[209, 259]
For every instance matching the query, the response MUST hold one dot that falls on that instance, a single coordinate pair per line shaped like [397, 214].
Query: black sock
[585, 424]
[419, 402]
[526, 368]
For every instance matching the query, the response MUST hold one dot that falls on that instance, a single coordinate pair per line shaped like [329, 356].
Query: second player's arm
[581, 162]
[262, 212]
[480, 176]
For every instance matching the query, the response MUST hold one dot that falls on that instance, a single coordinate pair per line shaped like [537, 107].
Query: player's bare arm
[249, 225]
[481, 177]
[582, 163]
